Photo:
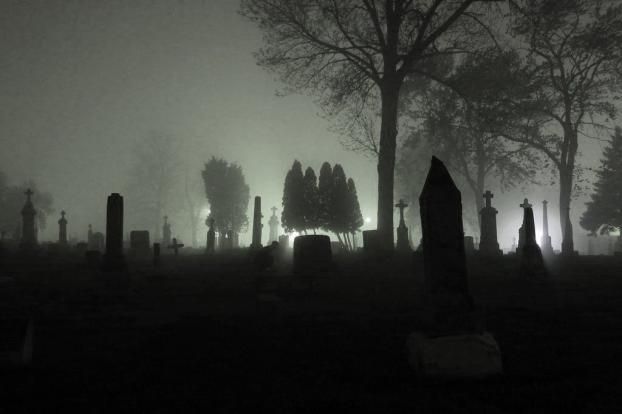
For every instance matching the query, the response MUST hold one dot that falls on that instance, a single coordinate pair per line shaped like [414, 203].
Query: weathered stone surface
[474, 355]
[312, 253]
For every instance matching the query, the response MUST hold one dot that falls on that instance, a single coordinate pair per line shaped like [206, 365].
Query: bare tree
[573, 55]
[356, 50]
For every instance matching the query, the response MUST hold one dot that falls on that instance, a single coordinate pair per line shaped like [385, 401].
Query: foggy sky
[81, 80]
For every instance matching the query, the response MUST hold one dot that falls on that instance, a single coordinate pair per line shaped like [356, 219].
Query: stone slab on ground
[454, 356]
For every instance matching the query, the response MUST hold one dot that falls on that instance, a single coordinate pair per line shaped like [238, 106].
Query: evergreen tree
[292, 216]
[604, 211]
[311, 200]
[340, 204]
[355, 218]
[325, 192]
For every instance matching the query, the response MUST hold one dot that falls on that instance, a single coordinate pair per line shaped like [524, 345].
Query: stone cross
[488, 196]
[401, 205]
[29, 231]
[525, 204]
[62, 228]
[274, 226]
[488, 245]
[113, 258]
[256, 240]
[176, 246]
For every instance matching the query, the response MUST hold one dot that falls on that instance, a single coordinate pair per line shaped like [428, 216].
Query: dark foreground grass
[210, 335]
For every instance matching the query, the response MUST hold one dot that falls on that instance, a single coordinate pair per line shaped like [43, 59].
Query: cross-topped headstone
[488, 246]
[62, 228]
[176, 246]
[526, 204]
[29, 232]
[488, 196]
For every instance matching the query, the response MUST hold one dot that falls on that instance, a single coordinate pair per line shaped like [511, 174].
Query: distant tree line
[329, 203]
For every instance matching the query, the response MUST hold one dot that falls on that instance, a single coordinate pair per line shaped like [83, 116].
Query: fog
[82, 81]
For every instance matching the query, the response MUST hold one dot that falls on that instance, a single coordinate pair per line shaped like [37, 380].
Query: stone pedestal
[473, 355]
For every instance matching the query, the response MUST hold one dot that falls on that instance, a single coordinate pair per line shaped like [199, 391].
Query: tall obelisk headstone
[454, 345]
[62, 229]
[488, 244]
[545, 243]
[257, 226]
[273, 223]
[166, 232]
[114, 258]
[531, 256]
[403, 244]
[29, 231]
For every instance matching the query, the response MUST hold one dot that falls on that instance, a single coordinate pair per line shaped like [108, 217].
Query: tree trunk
[566, 175]
[386, 163]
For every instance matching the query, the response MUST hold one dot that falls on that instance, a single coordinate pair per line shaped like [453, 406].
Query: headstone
[211, 236]
[371, 241]
[139, 242]
[29, 231]
[62, 229]
[98, 242]
[156, 254]
[546, 245]
[256, 241]
[273, 223]
[166, 232]
[312, 253]
[175, 246]
[113, 258]
[403, 244]
[532, 263]
[488, 244]
[454, 344]
[521, 230]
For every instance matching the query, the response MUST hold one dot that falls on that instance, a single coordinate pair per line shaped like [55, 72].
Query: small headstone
[139, 243]
[114, 258]
[175, 246]
[156, 254]
[454, 344]
[257, 226]
[488, 244]
[62, 229]
[312, 253]
[403, 243]
[29, 231]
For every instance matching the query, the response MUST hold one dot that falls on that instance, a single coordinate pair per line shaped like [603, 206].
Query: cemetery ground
[200, 333]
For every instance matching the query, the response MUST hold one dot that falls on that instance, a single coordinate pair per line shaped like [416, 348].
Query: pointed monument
[531, 263]
[488, 244]
[545, 243]
[257, 226]
[114, 258]
[62, 229]
[29, 231]
[454, 345]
